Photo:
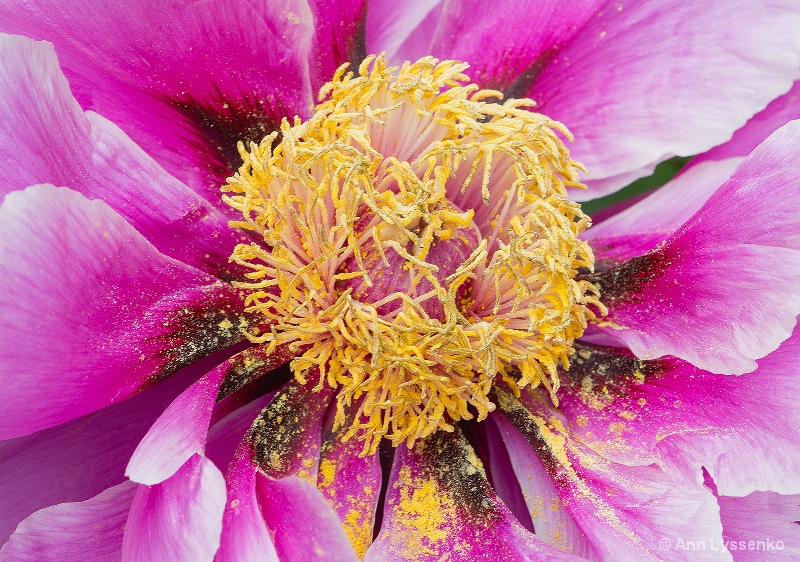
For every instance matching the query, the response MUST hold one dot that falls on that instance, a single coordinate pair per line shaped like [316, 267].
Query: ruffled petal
[179, 519]
[185, 80]
[627, 512]
[74, 532]
[644, 81]
[79, 459]
[45, 137]
[182, 430]
[92, 311]
[761, 527]
[745, 430]
[439, 504]
[723, 290]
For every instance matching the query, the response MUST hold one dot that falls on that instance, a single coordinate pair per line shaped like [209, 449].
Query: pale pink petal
[779, 112]
[745, 430]
[185, 80]
[45, 137]
[389, 24]
[303, 525]
[92, 311]
[182, 430]
[627, 512]
[761, 527]
[722, 291]
[74, 532]
[79, 459]
[644, 225]
[440, 505]
[551, 522]
[245, 537]
[508, 44]
[644, 81]
[179, 519]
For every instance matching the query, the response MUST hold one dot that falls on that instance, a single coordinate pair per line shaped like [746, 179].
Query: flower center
[417, 243]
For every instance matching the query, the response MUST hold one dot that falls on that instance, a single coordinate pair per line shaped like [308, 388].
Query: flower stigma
[415, 242]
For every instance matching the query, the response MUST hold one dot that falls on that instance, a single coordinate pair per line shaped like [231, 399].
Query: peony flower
[240, 326]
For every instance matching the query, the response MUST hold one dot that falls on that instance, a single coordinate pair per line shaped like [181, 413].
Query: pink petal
[46, 138]
[245, 536]
[74, 532]
[79, 459]
[304, 526]
[178, 519]
[508, 44]
[723, 290]
[625, 511]
[185, 80]
[182, 430]
[646, 224]
[645, 81]
[761, 527]
[439, 505]
[92, 311]
[744, 430]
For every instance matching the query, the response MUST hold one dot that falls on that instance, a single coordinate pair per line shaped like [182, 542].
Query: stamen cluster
[417, 241]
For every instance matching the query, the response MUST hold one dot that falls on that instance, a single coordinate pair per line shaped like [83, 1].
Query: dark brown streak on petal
[358, 46]
[526, 422]
[451, 461]
[522, 84]
[224, 122]
[609, 366]
[197, 328]
[624, 283]
[252, 364]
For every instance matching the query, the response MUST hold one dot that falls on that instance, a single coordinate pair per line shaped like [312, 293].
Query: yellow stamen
[400, 163]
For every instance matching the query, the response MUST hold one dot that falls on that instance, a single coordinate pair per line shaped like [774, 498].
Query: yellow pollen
[417, 242]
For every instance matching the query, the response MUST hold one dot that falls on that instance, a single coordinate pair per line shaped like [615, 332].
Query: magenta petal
[304, 526]
[339, 31]
[724, 289]
[47, 138]
[182, 79]
[79, 459]
[245, 536]
[439, 505]
[761, 527]
[82, 294]
[178, 519]
[644, 81]
[745, 430]
[508, 43]
[625, 511]
[74, 532]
